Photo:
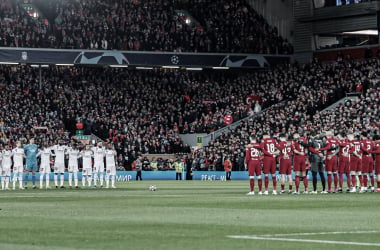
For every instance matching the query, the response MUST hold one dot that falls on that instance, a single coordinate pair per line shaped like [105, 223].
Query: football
[152, 188]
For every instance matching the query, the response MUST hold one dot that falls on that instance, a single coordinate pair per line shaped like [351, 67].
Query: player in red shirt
[367, 162]
[331, 160]
[344, 161]
[253, 163]
[299, 161]
[268, 147]
[285, 162]
[376, 152]
[355, 161]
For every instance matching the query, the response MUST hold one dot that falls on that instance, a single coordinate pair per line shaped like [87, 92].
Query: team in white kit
[90, 171]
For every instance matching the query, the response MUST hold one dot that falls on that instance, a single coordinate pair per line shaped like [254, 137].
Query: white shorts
[87, 171]
[59, 167]
[5, 170]
[99, 167]
[111, 170]
[73, 168]
[18, 169]
[45, 169]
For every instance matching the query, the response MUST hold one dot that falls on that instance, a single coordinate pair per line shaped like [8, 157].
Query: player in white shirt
[87, 156]
[74, 155]
[110, 165]
[98, 163]
[45, 155]
[59, 162]
[18, 164]
[6, 164]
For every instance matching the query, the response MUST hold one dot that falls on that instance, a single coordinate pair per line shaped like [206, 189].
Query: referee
[316, 162]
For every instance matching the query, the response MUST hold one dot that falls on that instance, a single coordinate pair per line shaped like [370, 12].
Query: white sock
[107, 180]
[101, 179]
[2, 182]
[76, 179]
[89, 180]
[95, 178]
[70, 179]
[47, 180]
[14, 180]
[41, 180]
[83, 180]
[7, 182]
[113, 180]
[56, 179]
[62, 179]
[20, 179]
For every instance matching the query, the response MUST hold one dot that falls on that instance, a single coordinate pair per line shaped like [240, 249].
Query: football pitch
[186, 215]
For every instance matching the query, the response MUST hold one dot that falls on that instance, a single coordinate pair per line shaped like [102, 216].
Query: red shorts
[286, 166]
[367, 164]
[344, 166]
[331, 165]
[299, 164]
[269, 165]
[355, 164]
[254, 167]
[377, 167]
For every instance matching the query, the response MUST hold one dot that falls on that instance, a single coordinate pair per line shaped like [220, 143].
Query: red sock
[282, 187]
[305, 182]
[290, 187]
[260, 181]
[361, 181]
[335, 180]
[353, 181]
[297, 183]
[266, 182]
[372, 180]
[348, 181]
[378, 185]
[274, 184]
[365, 181]
[340, 180]
[329, 181]
[252, 184]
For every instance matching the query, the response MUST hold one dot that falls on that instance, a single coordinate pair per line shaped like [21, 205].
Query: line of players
[354, 160]
[92, 162]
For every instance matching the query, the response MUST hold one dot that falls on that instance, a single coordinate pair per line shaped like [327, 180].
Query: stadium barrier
[127, 176]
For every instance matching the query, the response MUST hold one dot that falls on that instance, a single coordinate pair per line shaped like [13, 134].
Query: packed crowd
[139, 26]
[320, 86]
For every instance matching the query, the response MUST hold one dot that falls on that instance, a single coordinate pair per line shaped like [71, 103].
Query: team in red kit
[344, 155]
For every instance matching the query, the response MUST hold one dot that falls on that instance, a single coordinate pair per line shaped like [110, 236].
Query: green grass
[183, 215]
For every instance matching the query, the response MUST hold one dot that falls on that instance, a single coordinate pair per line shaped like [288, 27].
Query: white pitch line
[318, 233]
[253, 237]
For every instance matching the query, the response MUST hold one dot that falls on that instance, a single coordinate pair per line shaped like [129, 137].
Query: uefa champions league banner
[127, 176]
[138, 58]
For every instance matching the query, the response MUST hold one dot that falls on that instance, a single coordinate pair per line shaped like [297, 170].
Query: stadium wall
[128, 176]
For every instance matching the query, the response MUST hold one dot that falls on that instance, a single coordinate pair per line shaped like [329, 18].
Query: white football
[152, 188]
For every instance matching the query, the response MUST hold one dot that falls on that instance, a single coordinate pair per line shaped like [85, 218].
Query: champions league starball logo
[174, 59]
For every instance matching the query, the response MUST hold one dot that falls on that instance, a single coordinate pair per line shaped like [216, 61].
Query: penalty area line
[253, 237]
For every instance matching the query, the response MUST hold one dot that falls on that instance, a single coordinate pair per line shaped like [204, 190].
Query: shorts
[6, 171]
[59, 167]
[344, 166]
[331, 165]
[317, 166]
[99, 167]
[31, 166]
[299, 164]
[367, 164]
[73, 168]
[18, 169]
[45, 169]
[286, 166]
[355, 164]
[87, 171]
[269, 165]
[254, 167]
[111, 170]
